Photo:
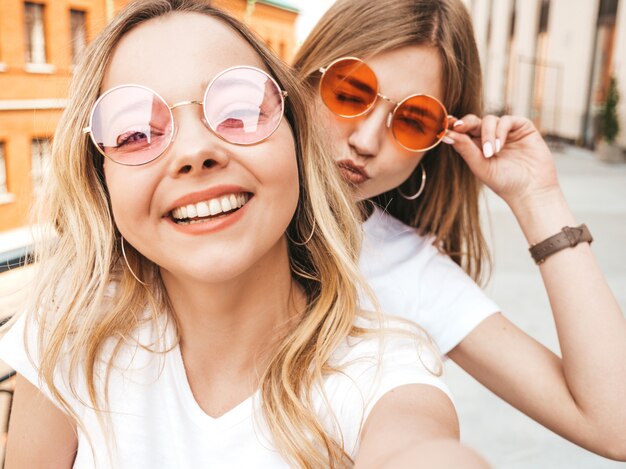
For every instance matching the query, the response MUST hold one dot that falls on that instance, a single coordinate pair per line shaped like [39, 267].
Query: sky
[310, 12]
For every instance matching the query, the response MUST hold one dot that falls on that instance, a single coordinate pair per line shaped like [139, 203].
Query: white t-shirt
[412, 279]
[157, 423]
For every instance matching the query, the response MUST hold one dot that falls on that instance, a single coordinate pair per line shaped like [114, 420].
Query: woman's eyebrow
[421, 111]
[358, 84]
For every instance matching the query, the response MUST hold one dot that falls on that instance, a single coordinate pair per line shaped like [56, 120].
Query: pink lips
[352, 172]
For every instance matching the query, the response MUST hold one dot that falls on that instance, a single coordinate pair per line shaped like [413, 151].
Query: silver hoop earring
[421, 189]
[127, 264]
[306, 241]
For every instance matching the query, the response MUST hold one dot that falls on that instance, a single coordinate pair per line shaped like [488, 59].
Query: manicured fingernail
[457, 123]
[498, 145]
[488, 150]
[448, 140]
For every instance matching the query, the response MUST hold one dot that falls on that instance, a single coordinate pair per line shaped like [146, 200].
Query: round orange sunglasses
[349, 88]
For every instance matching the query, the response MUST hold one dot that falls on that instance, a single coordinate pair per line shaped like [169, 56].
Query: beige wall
[570, 47]
[524, 49]
[511, 77]
[496, 60]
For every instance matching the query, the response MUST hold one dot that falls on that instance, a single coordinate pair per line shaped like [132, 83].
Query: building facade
[551, 60]
[40, 40]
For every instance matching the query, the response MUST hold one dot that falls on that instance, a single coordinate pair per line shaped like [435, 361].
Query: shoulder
[392, 249]
[411, 278]
[371, 365]
[20, 349]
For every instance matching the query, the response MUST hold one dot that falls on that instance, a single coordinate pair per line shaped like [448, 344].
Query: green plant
[609, 120]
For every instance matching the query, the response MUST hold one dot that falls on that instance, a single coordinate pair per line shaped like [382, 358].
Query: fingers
[483, 130]
[493, 132]
[490, 144]
[469, 124]
[469, 150]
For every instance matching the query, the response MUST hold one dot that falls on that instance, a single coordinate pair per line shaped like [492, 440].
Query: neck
[233, 323]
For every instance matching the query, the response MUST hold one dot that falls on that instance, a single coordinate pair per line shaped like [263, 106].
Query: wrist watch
[568, 237]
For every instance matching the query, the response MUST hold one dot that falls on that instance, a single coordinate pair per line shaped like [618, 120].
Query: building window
[34, 31]
[4, 189]
[40, 158]
[79, 34]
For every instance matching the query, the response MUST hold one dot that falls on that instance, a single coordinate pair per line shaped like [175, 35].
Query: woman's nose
[195, 148]
[369, 131]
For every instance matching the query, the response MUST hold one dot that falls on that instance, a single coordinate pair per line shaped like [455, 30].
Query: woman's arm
[581, 395]
[40, 435]
[412, 426]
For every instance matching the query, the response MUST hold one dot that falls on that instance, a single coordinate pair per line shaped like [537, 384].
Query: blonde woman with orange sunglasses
[387, 74]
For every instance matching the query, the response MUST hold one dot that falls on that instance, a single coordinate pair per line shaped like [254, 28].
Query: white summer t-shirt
[157, 423]
[413, 280]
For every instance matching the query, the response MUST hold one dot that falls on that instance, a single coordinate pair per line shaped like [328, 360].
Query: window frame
[76, 54]
[34, 56]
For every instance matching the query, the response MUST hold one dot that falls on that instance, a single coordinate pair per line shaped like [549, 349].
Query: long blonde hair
[70, 294]
[448, 208]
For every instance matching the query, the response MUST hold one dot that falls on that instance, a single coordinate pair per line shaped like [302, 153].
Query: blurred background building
[551, 60]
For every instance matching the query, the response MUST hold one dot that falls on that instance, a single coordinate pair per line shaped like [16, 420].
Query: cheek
[336, 129]
[397, 169]
[290, 179]
[130, 202]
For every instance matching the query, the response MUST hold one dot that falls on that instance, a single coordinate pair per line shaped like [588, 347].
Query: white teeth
[203, 209]
[215, 207]
[225, 205]
[209, 207]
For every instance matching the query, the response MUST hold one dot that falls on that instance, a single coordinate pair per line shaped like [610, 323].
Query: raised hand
[507, 154]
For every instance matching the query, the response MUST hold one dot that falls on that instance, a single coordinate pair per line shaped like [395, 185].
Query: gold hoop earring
[421, 189]
[127, 264]
[306, 241]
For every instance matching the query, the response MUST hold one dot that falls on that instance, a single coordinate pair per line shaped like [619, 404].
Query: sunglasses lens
[131, 125]
[348, 87]
[419, 123]
[243, 105]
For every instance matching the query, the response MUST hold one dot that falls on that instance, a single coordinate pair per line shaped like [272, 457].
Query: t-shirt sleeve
[13, 350]
[450, 303]
[413, 280]
[373, 369]
[18, 350]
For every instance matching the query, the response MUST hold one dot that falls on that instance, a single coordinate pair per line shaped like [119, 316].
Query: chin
[202, 274]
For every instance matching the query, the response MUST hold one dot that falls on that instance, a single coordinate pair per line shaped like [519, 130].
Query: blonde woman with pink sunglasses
[180, 318]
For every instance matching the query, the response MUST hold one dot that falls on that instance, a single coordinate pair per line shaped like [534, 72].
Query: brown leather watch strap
[568, 237]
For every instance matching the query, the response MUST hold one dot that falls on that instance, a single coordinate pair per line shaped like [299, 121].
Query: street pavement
[507, 438]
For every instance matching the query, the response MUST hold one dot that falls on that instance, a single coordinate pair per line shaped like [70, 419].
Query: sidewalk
[505, 436]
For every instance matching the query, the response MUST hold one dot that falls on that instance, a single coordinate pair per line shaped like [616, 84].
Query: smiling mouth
[351, 172]
[210, 209]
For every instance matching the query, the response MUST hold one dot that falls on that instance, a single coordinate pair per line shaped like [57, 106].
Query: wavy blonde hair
[70, 294]
[448, 209]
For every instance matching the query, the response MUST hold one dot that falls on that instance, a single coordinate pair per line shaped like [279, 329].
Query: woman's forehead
[408, 70]
[180, 49]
